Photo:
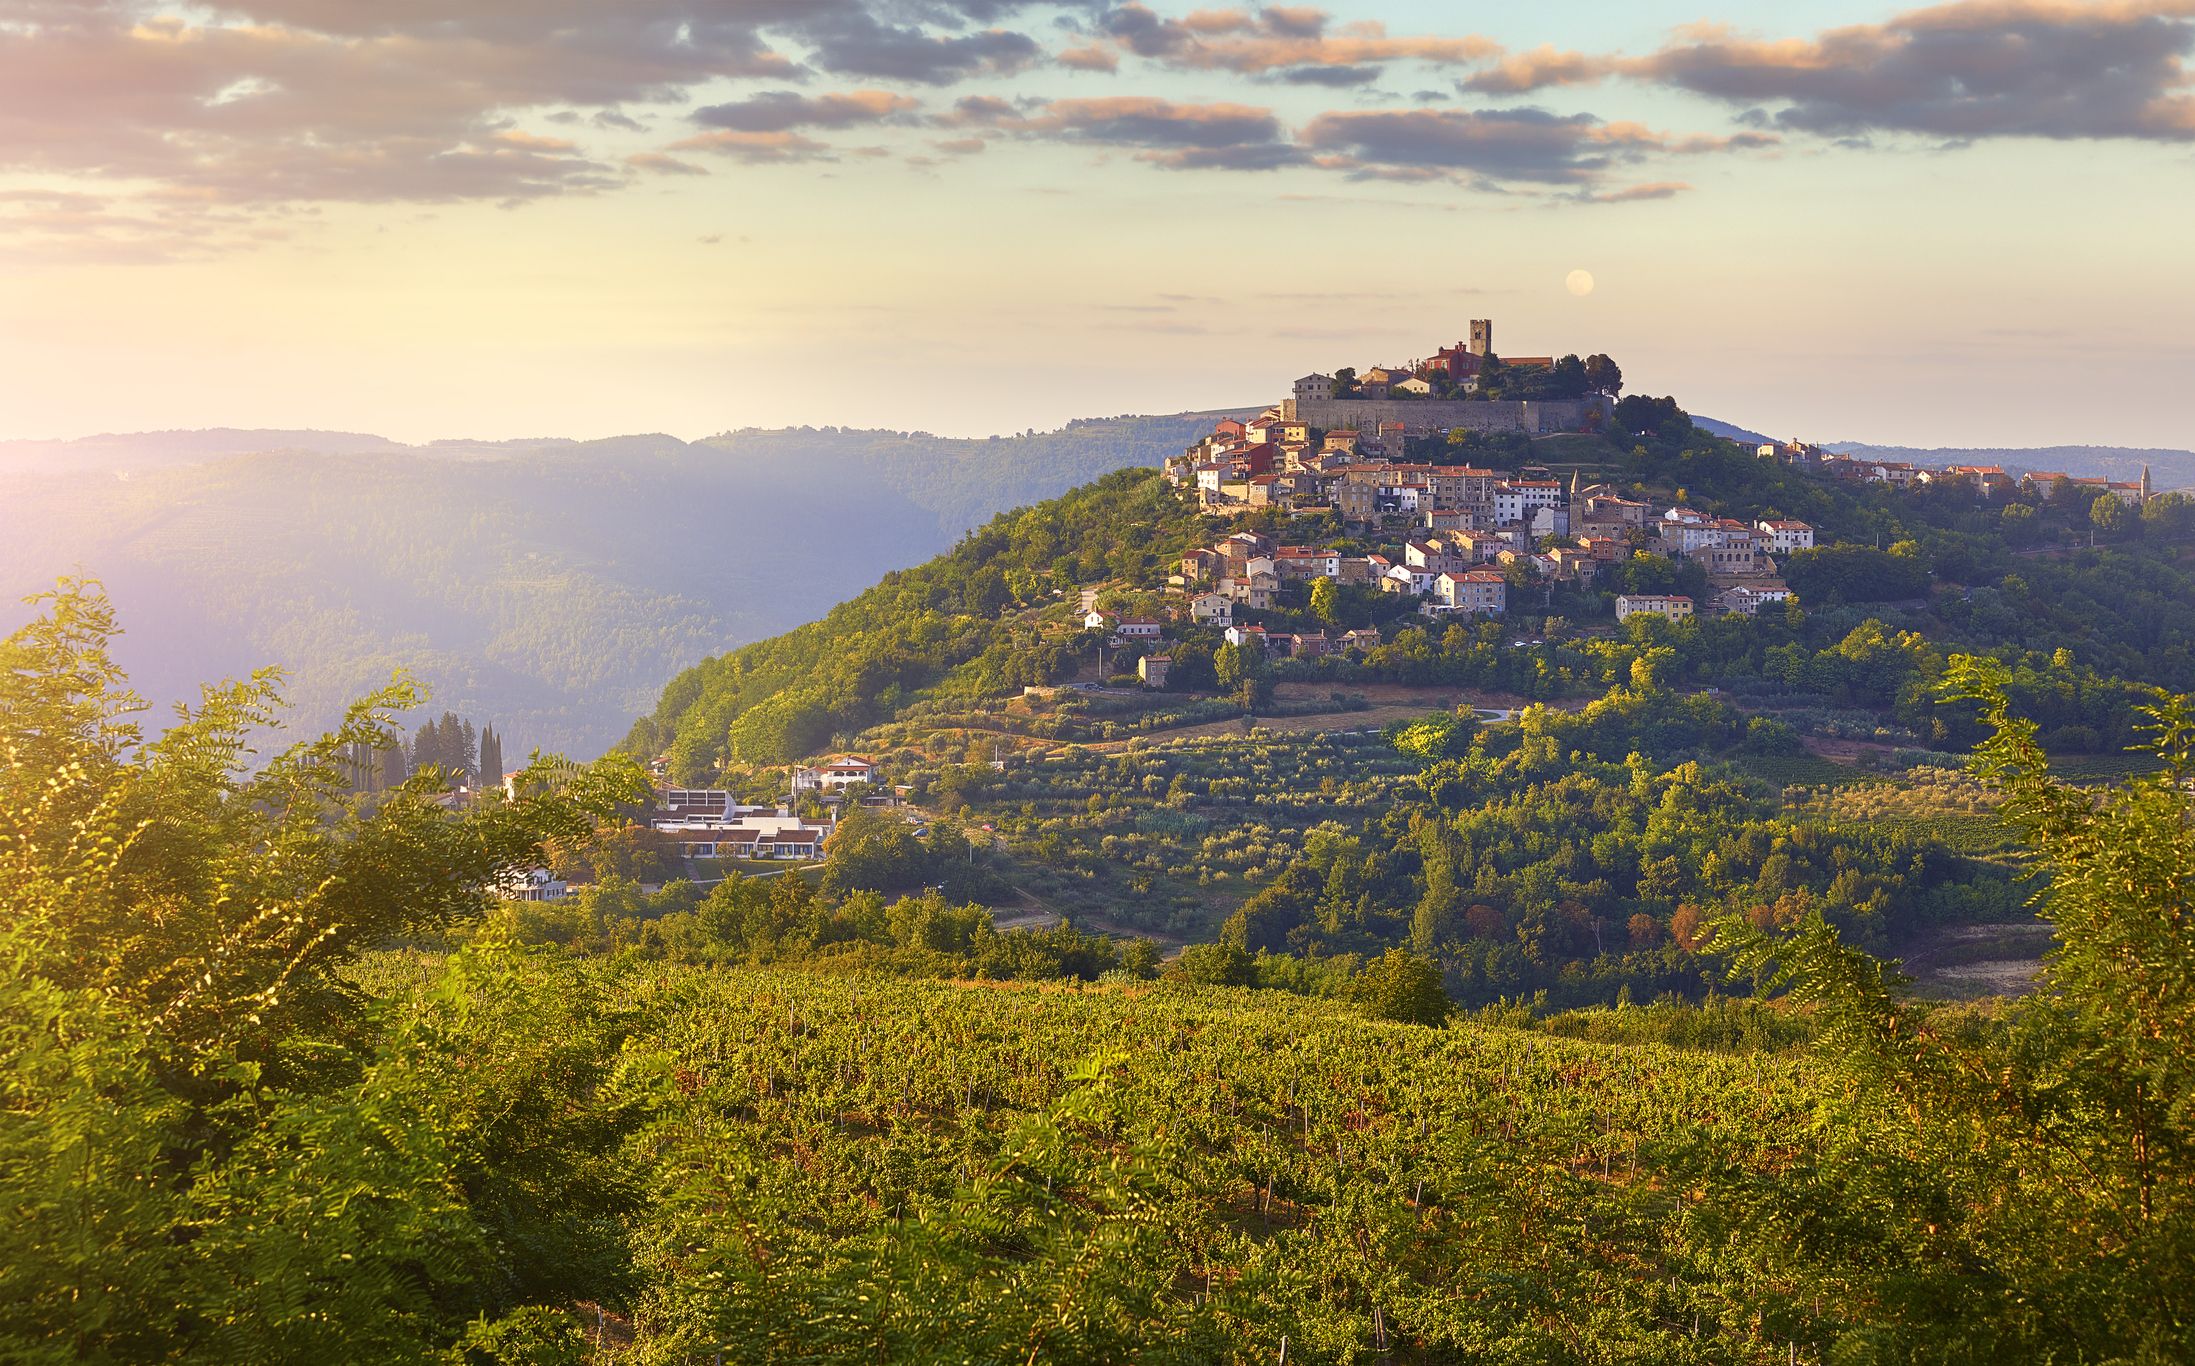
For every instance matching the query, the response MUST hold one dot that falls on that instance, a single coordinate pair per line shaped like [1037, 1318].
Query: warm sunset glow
[683, 217]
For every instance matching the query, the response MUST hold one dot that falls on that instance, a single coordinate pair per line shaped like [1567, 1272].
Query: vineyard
[1166, 838]
[916, 1171]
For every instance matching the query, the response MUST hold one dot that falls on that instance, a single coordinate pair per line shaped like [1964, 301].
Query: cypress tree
[491, 757]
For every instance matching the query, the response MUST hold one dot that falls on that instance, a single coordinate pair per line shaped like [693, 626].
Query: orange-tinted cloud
[1977, 69]
[1278, 38]
[1495, 147]
[777, 110]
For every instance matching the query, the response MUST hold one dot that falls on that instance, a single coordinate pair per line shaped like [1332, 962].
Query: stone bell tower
[1482, 336]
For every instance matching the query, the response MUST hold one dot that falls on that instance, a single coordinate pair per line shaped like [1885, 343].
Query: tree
[1831, 574]
[1326, 600]
[1243, 671]
[1658, 418]
[871, 851]
[1402, 987]
[1603, 376]
[1217, 965]
[491, 757]
[2112, 518]
[631, 851]
[2024, 1190]
[1442, 735]
[1192, 670]
[236, 1153]
[1569, 378]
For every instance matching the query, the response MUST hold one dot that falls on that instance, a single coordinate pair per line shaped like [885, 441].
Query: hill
[2169, 469]
[550, 587]
[1255, 800]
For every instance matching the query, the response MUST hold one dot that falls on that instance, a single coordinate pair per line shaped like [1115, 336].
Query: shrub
[1404, 988]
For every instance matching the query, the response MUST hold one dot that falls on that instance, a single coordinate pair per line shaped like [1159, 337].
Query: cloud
[1089, 57]
[663, 163]
[756, 149]
[38, 226]
[981, 111]
[1659, 189]
[857, 44]
[1962, 71]
[778, 110]
[1176, 136]
[1496, 145]
[282, 102]
[1331, 76]
[1519, 73]
[1499, 149]
[1276, 38]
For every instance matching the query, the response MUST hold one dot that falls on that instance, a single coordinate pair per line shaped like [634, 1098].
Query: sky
[1962, 224]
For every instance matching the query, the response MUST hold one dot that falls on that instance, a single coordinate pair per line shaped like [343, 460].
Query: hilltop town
[1388, 457]
[1514, 518]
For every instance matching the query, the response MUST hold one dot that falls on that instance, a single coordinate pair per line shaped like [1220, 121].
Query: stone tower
[1482, 336]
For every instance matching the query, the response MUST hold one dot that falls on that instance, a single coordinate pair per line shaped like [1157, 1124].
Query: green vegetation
[1575, 856]
[244, 1131]
[945, 627]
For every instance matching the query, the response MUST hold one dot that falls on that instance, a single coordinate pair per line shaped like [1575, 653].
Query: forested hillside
[548, 587]
[1926, 569]
[1640, 781]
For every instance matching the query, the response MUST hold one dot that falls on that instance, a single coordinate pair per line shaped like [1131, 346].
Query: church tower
[1482, 337]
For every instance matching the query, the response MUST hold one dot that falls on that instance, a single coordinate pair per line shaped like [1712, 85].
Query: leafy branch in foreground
[213, 1142]
[2024, 1184]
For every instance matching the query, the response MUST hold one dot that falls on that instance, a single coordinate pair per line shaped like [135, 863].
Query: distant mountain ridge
[550, 587]
[2169, 469]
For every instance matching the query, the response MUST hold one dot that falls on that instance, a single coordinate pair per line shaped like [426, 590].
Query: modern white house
[532, 884]
[834, 774]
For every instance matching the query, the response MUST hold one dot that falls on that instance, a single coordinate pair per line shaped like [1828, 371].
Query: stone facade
[1425, 417]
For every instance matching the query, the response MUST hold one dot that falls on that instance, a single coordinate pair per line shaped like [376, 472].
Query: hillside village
[1459, 539]
[1361, 507]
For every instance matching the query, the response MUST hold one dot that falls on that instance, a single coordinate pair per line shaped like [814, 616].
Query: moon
[1580, 282]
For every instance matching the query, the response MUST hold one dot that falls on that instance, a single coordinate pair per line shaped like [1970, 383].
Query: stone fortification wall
[1424, 416]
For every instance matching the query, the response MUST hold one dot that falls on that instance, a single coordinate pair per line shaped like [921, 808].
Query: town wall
[1425, 416]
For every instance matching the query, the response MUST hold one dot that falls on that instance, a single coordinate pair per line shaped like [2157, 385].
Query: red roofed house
[1786, 536]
